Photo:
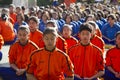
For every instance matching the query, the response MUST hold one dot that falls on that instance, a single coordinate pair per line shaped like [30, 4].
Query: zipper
[83, 62]
[21, 57]
[49, 66]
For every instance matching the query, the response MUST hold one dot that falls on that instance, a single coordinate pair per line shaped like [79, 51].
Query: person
[96, 40]
[12, 13]
[109, 30]
[7, 30]
[86, 57]
[18, 56]
[112, 71]
[67, 35]
[35, 35]
[61, 43]
[49, 62]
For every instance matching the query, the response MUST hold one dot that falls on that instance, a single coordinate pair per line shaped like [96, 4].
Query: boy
[18, 56]
[35, 34]
[87, 59]
[66, 33]
[112, 71]
[49, 62]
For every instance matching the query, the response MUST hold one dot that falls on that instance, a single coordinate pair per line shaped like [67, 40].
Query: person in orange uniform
[19, 53]
[66, 33]
[49, 62]
[60, 43]
[86, 57]
[96, 40]
[1, 44]
[12, 13]
[35, 35]
[112, 71]
[6, 29]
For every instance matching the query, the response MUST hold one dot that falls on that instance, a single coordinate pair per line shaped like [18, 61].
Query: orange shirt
[1, 41]
[19, 54]
[36, 37]
[50, 65]
[97, 41]
[70, 42]
[87, 60]
[113, 58]
[13, 16]
[98, 33]
[6, 30]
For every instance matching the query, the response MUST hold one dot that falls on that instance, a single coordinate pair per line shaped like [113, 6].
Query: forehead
[49, 35]
[85, 31]
[118, 36]
[22, 31]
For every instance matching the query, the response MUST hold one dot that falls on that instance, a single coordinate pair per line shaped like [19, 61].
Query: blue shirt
[42, 26]
[109, 31]
[16, 25]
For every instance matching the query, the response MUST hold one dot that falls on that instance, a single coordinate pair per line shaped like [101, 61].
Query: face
[32, 25]
[118, 40]
[110, 20]
[11, 9]
[19, 19]
[23, 36]
[89, 19]
[68, 19]
[85, 37]
[66, 32]
[50, 41]
[44, 17]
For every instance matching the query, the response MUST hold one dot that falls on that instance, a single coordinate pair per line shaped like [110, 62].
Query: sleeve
[12, 54]
[31, 66]
[108, 59]
[100, 62]
[68, 67]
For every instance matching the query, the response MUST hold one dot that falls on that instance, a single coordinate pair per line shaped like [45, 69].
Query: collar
[50, 50]
[85, 45]
[23, 44]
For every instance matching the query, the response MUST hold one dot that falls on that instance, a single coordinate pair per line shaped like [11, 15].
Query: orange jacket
[98, 33]
[14, 17]
[70, 42]
[113, 58]
[50, 65]
[19, 54]
[36, 37]
[87, 60]
[61, 44]
[97, 41]
[1, 41]
[6, 30]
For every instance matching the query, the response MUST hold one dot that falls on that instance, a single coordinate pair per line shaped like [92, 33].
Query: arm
[30, 77]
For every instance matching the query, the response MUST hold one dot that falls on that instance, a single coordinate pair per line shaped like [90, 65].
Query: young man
[109, 30]
[35, 35]
[49, 63]
[67, 35]
[112, 71]
[86, 57]
[18, 56]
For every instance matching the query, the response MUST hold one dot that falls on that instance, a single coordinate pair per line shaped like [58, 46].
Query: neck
[50, 48]
[85, 44]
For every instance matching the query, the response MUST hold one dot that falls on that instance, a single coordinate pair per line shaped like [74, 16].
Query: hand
[20, 72]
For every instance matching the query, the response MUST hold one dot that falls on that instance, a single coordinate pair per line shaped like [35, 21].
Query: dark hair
[71, 17]
[34, 18]
[117, 34]
[23, 8]
[4, 17]
[50, 30]
[112, 16]
[90, 15]
[85, 26]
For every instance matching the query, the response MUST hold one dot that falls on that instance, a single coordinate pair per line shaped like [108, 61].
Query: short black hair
[50, 30]
[117, 34]
[85, 26]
